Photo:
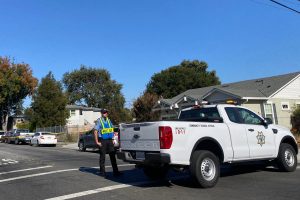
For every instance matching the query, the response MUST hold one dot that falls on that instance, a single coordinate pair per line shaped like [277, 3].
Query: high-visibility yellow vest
[106, 130]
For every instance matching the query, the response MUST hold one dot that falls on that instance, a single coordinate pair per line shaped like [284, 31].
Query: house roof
[255, 88]
[76, 107]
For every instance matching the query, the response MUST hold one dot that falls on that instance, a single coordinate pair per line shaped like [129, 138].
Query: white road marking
[108, 188]
[8, 161]
[28, 169]
[51, 172]
[34, 175]
[88, 192]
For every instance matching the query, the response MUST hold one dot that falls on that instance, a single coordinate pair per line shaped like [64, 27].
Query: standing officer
[104, 134]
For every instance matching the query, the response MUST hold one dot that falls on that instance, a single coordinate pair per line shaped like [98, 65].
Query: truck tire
[81, 146]
[156, 173]
[205, 168]
[287, 158]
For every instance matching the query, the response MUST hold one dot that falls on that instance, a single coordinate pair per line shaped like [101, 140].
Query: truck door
[238, 134]
[261, 138]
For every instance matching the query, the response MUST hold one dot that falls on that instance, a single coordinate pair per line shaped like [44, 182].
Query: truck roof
[209, 106]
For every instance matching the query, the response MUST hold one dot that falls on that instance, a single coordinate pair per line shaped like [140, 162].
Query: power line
[295, 2]
[266, 4]
[287, 7]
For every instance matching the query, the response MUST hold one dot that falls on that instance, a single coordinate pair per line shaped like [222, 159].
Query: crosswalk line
[89, 192]
[28, 169]
[108, 188]
[51, 172]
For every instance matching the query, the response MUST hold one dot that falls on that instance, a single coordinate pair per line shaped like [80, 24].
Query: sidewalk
[73, 146]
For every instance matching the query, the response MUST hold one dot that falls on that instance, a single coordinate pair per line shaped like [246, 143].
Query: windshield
[47, 134]
[200, 114]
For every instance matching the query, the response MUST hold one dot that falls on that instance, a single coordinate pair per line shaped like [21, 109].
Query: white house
[82, 116]
[15, 120]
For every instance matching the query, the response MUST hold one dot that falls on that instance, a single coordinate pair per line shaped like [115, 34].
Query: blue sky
[133, 39]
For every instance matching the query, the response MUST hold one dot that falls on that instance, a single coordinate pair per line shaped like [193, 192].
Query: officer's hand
[99, 144]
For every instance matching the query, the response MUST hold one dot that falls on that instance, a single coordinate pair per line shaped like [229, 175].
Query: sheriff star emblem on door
[260, 138]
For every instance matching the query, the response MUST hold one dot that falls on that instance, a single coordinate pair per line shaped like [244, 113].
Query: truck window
[200, 114]
[242, 116]
[249, 117]
[232, 114]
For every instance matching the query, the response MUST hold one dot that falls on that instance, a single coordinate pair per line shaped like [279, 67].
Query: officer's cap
[103, 111]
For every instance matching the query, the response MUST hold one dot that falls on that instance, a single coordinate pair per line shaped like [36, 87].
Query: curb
[73, 146]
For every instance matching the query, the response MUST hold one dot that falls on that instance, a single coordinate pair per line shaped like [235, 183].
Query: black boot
[117, 174]
[102, 173]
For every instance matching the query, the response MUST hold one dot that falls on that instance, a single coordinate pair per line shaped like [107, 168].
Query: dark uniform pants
[107, 147]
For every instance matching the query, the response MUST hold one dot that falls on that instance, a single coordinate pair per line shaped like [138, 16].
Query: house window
[297, 104]
[73, 113]
[269, 111]
[285, 106]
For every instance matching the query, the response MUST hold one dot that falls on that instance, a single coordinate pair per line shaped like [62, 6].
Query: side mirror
[268, 121]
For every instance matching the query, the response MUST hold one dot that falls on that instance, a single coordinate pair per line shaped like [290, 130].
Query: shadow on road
[182, 179]
[133, 177]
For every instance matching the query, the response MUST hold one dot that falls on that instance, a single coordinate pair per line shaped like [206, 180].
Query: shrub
[295, 119]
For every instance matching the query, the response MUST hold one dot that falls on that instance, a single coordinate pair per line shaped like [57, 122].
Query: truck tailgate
[140, 136]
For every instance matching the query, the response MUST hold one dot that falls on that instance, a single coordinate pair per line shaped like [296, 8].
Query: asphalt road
[56, 173]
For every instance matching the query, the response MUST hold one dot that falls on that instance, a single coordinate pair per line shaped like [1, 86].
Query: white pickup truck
[203, 138]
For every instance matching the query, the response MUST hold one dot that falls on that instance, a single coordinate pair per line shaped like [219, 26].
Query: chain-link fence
[53, 129]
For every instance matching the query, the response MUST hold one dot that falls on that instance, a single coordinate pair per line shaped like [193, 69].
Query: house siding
[256, 106]
[284, 116]
[291, 91]
[87, 117]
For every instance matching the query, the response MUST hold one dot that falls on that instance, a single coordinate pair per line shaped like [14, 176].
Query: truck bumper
[150, 158]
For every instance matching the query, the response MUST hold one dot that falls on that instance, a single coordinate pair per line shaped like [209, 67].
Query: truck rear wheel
[287, 158]
[156, 173]
[205, 168]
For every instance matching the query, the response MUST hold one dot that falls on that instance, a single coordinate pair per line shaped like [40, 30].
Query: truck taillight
[165, 137]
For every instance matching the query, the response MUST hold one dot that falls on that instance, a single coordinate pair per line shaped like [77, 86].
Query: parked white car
[43, 138]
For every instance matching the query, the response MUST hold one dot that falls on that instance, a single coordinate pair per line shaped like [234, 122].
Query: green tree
[94, 88]
[142, 108]
[177, 79]
[16, 82]
[295, 119]
[49, 104]
[18, 109]
[28, 112]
